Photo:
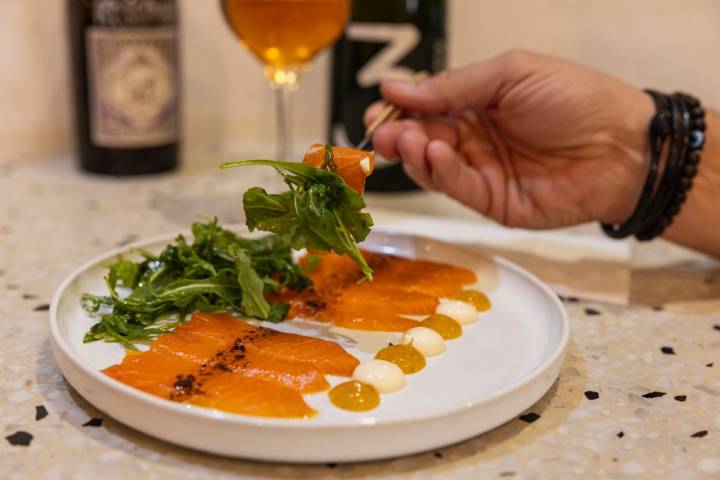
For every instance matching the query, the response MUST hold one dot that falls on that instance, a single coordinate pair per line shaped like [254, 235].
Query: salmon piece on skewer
[351, 164]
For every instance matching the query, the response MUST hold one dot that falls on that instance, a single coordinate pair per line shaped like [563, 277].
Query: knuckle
[516, 59]
[443, 79]
[446, 86]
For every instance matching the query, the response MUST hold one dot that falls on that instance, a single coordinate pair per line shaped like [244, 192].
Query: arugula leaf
[253, 301]
[278, 312]
[320, 210]
[123, 272]
[218, 271]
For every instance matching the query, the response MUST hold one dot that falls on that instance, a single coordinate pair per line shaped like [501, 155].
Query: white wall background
[227, 106]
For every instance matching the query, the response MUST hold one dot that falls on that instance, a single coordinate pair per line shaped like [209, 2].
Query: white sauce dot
[461, 312]
[385, 376]
[425, 340]
[365, 165]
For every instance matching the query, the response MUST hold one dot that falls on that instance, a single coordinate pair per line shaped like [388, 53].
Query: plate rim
[207, 414]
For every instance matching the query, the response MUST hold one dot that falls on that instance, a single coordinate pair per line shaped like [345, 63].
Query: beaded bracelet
[678, 128]
[667, 187]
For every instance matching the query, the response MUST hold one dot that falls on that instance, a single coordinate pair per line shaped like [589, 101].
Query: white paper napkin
[577, 262]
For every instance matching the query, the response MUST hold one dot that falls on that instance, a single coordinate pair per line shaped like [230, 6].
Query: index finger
[372, 111]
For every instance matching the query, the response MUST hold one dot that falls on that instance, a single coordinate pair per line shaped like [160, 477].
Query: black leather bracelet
[693, 125]
[666, 189]
[677, 128]
[658, 132]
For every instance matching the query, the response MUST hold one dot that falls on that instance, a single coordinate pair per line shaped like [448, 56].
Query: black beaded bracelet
[678, 128]
[666, 189]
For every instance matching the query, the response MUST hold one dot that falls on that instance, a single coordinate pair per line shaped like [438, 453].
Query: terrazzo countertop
[638, 395]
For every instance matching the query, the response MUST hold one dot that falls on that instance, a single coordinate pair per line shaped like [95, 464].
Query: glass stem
[283, 94]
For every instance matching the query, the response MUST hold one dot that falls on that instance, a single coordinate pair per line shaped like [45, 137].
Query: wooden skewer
[389, 113]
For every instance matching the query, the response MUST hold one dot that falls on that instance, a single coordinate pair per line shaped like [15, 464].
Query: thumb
[477, 86]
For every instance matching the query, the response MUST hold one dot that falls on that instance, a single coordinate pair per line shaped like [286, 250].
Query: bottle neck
[134, 13]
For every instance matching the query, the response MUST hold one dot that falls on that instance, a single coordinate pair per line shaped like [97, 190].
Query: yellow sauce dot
[444, 325]
[477, 299]
[355, 396]
[404, 356]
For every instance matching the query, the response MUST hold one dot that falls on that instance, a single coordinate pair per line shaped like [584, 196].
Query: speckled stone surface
[638, 396]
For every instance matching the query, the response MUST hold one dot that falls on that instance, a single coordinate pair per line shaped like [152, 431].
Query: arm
[698, 223]
[537, 142]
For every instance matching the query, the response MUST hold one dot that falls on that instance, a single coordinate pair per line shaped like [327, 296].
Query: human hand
[528, 140]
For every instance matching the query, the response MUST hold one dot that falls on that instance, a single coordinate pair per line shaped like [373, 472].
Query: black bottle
[126, 84]
[384, 38]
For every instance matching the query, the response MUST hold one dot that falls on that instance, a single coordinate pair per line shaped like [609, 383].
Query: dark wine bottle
[126, 84]
[384, 39]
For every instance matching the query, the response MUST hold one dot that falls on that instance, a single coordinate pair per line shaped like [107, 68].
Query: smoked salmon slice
[425, 276]
[384, 299]
[232, 393]
[330, 271]
[156, 372]
[208, 333]
[304, 304]
[152, 372]
[400, 287]
[372, 321]
[204, 336]
[328, 357]
[301, 377]
[351, 164]
[216, 355]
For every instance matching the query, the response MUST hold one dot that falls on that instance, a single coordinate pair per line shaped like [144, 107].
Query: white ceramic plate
[501, 365]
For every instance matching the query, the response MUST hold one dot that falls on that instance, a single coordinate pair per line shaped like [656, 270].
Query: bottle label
[132, 77]
[398, 41]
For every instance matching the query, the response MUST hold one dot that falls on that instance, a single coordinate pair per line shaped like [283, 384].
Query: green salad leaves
[319, 211]
[218, 271]
[222, 271]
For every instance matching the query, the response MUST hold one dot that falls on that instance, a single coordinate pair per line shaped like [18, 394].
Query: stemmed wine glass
[285, 35]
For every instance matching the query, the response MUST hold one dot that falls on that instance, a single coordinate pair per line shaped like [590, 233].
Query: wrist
[676, 132]
[634, 136]
[632, 152]
[697, 225]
